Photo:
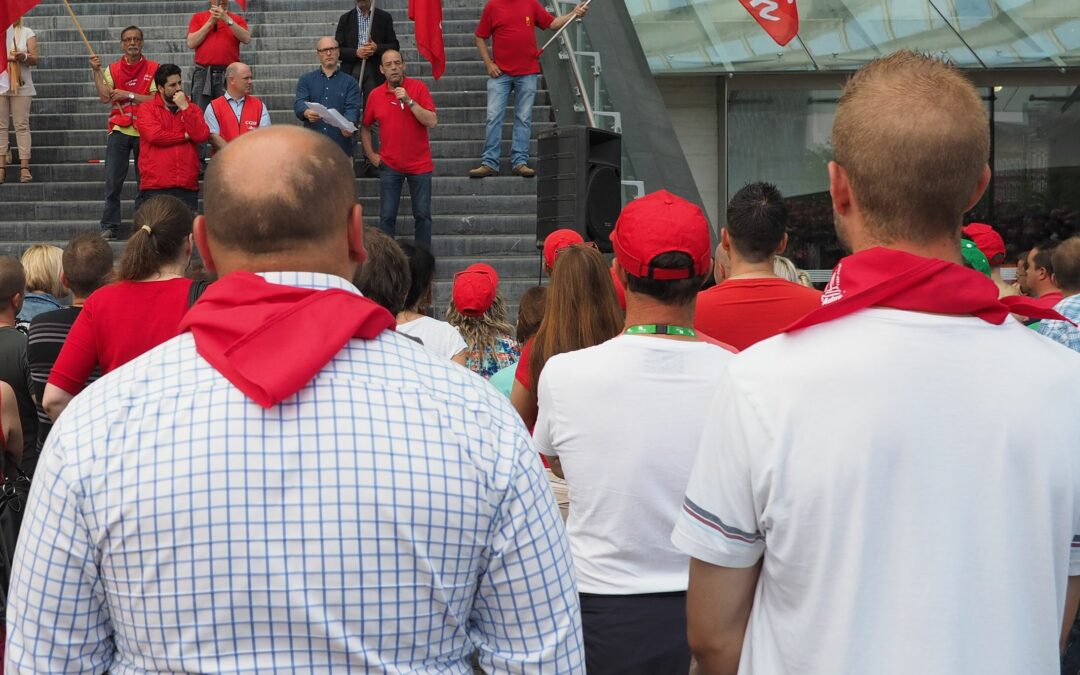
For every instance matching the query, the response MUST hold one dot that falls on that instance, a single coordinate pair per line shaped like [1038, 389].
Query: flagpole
[558, 32]
[78, 27]
[363, 62]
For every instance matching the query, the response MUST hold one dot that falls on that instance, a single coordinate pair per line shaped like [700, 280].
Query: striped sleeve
[721, 514]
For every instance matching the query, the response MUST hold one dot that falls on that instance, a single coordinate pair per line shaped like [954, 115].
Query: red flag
[779, 18]
[243, 5]
[10, 11]
[426, 16]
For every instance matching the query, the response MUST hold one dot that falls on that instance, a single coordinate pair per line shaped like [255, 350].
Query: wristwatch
[131, 96]
[229, 21]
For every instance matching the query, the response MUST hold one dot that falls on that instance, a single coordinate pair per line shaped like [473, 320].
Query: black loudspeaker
[579, 183]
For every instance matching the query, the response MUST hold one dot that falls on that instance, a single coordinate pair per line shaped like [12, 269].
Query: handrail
[572, 58]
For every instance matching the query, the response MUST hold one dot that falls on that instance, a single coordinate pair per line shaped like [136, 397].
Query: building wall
[694, 106]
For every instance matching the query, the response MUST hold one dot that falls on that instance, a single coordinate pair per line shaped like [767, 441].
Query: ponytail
[162, 226]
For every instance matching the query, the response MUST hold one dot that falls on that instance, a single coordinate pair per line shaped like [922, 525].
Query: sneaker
[524, 171]
[108, 234]
[483, 171]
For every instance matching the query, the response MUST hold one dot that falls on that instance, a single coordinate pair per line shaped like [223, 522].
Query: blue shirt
[391, 516]
[340, 92]
[1063, 331]
[237, 106]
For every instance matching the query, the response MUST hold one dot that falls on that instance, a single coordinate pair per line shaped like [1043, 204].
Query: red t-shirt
[118, 323]
[221, 47]
[403, 141]
[511, 25]
[742, 312]
[1050, 299]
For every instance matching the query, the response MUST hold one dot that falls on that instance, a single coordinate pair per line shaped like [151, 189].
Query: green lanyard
[660, 329]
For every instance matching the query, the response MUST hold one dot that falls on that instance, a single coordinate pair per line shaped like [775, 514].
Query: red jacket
[166, 158]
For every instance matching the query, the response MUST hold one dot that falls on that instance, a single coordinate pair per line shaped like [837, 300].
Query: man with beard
[404, 111]
[124, 85]
[171, 127]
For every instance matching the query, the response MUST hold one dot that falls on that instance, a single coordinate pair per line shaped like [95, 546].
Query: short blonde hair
[43, 265]
[912, 134]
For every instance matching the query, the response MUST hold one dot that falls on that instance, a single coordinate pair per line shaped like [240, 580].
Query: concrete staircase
[492, 220]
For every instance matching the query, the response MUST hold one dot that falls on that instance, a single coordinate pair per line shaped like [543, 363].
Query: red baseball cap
[557, 240]
[474, 289]
[659, 223]
[987, 240]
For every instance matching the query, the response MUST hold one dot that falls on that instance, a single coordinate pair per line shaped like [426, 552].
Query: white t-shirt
[438, 336]
[913, 517]
[625, 419]
[27, 86]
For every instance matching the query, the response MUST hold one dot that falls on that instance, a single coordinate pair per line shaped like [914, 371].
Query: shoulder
[199, 18]
[415, 84]
[344, 18]
[382, 13]
[28, 32]
[65, 315]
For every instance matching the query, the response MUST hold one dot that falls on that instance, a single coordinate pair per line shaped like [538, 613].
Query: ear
[980, 188]
[782, 246]
[357, 252]
[840, 189]
[620, 273]
[64, 281]
[202, 240]
[725, 241]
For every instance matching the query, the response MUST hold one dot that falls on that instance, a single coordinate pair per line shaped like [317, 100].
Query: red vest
[137, 80]
[230, 128]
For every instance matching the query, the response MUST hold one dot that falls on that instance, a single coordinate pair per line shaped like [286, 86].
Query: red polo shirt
[221, 47]
[403, 141]
[511, 25]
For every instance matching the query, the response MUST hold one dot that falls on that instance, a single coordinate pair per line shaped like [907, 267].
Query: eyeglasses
[132, 39]
[327, 50]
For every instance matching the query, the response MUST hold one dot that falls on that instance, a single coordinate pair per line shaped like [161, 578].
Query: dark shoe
[524, 171]
[483, 171]
[108, 234]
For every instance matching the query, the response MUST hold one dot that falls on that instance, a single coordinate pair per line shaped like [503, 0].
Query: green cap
[973, 257]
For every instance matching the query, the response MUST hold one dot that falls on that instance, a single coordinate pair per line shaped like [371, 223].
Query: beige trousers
[18, 107]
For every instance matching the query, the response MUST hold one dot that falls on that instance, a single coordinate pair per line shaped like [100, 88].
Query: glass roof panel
[841, 35]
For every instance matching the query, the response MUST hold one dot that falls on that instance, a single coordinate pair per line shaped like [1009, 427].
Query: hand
[367, 50]
[187, 136]
[402, 95]
[493, 70]
[120, 96]
[95, 63]
[346, 133]
[580, 11]
[311, 116]
[180, 100]
[375, 160]
[14, 55]
[217, 14]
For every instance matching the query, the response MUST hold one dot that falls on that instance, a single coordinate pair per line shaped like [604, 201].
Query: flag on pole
[779, 18]
[426, 16]
[10, 11]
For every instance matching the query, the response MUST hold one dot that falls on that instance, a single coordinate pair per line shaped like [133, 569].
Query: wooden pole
[14, 73]
[78, 27]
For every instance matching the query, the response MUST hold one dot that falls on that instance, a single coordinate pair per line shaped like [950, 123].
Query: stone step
[108, 37]
[189, 7]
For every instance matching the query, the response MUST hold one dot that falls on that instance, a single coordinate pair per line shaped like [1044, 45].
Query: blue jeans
[117, 152]
[390, 182]
[498, 92]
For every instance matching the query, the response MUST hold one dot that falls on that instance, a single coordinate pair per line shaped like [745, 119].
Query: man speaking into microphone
[404, 111]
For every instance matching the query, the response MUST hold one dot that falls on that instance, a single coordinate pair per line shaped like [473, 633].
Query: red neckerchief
[271, 340]
[883, 277]
[131, 71]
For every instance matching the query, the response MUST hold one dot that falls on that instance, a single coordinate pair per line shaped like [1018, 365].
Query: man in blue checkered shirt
[290, 485]
[1067, 277]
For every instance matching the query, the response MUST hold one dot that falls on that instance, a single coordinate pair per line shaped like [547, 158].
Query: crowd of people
[295, 457]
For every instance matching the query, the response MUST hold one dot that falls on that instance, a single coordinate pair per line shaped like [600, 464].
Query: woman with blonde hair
[16, 93]
[582, 310]
[478, 311]
[44, 268]
[136, 314]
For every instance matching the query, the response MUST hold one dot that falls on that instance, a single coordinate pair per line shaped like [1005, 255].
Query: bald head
[276, 190]
[912, 139]
[12, 283]
[238, 79]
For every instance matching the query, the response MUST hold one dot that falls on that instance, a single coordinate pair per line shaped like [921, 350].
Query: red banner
[10, 11]
[427, 22]
[243, 5]
[779, 18]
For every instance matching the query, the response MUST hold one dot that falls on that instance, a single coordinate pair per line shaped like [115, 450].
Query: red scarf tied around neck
[883, 277]
[270, 340]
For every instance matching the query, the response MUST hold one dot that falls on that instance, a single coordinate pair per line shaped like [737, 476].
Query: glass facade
[783, 136]
[720, 36]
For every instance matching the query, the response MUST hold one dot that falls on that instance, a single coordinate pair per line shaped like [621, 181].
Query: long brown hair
[162, 226]
[582, 308]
